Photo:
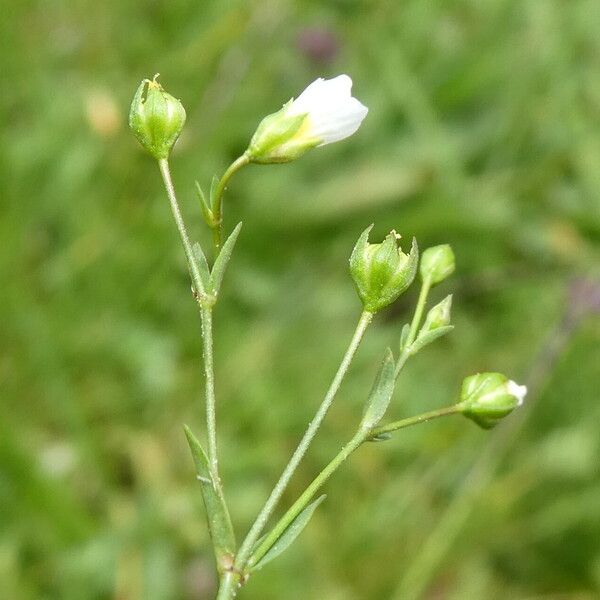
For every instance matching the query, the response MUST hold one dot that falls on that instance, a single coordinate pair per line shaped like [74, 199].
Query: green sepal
[219, 521]
[381, 393]
[427, 337]
[202, 265]
[218, 270]
[207, 213]
[288, 536]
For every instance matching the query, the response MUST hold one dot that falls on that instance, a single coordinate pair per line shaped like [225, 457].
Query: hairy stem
[307, 496]
[206, 318]
[361, 436]
[265, 513]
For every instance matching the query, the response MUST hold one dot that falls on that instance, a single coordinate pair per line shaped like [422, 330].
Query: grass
[483, 133]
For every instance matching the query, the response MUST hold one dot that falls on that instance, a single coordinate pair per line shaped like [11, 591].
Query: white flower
[332, 114]
[518, 391]
[323, 113]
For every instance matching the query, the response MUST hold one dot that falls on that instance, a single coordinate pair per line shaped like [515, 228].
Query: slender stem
[187, 245]
[217, 201]
[425, 287]
[206, 317]
[433, 414]
[318, 482]
[228, 587]
[211, 421]
[271, 503]
[307, 496]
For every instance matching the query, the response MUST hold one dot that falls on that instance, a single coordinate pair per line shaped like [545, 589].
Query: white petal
[339, 123]
[518, 391]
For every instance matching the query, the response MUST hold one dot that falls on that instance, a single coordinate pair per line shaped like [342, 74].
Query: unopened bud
[381, 272]
[486, 398]
[156, 118]
[325, 112]
[437, 263]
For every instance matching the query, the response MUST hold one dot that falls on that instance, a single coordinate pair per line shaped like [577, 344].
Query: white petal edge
[518, 391]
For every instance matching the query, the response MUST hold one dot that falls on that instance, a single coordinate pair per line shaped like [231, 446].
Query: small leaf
[381, 393]
[213, 190]
[220, 265]
[404, 336]
[219, 521]
[290, 534]
[202, 265]
[206, 211]
[428, 337]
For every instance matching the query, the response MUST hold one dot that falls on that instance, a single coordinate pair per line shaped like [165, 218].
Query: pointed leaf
[404, 336]
[202, 265]
[382, 437]
[213, 190]
[381, 393]
[220, 265]
[219, 521]
[290, 534]
[206, 211]
[428, 337]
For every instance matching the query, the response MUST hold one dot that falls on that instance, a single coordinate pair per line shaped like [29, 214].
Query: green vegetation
[483, 132]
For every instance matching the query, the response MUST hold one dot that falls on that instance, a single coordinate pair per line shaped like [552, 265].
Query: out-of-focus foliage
[483, 132]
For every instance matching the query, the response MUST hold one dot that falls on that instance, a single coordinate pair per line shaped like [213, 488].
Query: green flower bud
[325, 112]
[437, 263]
[486, 398]
[439, 315]
[156, 118]
[381, 272]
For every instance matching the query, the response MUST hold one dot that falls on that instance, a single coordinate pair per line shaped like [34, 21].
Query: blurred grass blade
[426, 338]
[216, 277]
[381, 393]
[289, 535]
[219, 521]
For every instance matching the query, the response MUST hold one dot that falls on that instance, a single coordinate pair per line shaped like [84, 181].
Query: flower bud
[381, 272]
[437, 263]
[488, 397]
[325, 112]
[156, 118]
[439, 315]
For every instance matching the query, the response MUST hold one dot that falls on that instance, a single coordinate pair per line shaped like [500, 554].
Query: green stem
[187, 245]
[217, 200]
[432, 414]
[307, 496]
[265, 513]
[211, 421]
[228, 586]
[318, 482]
[414, 326]
[206, 318]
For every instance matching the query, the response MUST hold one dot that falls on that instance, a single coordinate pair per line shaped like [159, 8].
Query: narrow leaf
[219, 521]
[381, 393]
[213, 190]
[382, 437]
[204, 206]
[202, 265]
[426, 338]
[220, 265]
[404, 336]
[290, 534]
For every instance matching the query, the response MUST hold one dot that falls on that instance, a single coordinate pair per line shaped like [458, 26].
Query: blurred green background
[483, 132]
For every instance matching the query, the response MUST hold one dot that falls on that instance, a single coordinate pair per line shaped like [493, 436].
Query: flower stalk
[247, 545]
